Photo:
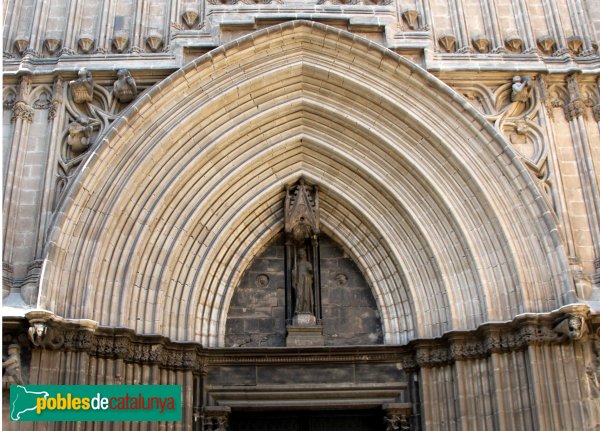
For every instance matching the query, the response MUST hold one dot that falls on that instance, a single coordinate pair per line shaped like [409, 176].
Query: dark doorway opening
[308, 420]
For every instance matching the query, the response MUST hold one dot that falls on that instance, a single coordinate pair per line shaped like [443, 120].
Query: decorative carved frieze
[567, 325]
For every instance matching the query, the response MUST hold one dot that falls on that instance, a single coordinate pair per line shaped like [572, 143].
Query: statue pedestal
[304, 336]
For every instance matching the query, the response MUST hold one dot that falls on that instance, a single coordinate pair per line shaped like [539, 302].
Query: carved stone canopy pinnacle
[302, 211]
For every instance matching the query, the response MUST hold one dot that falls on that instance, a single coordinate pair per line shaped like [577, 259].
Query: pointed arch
[187, 186]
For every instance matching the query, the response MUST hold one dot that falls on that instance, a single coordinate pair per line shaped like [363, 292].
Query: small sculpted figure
[302, 280]
[82, 88]
[80, 132]
[124, 87]
[12, 367]
[520, 89]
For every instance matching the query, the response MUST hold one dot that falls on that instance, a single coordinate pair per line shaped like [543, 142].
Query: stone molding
[569, 324]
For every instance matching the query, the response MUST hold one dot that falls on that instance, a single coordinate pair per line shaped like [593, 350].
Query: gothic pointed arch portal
[186, 188]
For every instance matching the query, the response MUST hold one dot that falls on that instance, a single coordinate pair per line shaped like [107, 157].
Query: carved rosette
[448, 42]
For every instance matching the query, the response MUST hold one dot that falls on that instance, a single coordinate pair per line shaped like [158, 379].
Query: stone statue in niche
[302, 282]
[82, 89]
[520, 89]
[124, 87]
[12, 367]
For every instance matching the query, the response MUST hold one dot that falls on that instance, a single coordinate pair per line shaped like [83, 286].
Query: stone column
[574, 110]
[457, 17]
[22, 117]
[524, 25]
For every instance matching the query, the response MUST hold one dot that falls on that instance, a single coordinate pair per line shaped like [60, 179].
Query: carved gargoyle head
[571, 327]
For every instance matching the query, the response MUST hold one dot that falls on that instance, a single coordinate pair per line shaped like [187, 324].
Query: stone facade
[148, 151]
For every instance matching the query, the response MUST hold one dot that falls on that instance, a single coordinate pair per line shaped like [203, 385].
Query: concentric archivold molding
[188, 186]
